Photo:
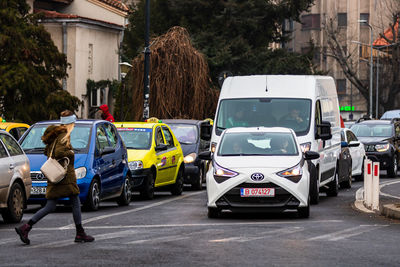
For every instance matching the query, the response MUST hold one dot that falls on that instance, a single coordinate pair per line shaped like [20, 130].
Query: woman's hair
[69, 127]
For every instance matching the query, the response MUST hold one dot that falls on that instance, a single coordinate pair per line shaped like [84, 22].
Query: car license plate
[257, 192]
[38, 190]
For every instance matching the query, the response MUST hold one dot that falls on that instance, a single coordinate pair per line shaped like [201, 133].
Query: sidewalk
[389, 199]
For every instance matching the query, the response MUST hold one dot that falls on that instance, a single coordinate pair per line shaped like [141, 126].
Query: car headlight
[190, 158]
[382, 147]
[305, 147]
[80, 172]
[222, 174]
[294, 174]
[135, 165]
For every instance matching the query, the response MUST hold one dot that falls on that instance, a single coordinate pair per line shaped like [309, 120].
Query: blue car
[100, 162]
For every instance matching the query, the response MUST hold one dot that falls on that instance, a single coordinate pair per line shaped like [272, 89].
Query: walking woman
[59, 138]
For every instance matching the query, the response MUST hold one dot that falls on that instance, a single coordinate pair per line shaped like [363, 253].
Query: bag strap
[54, 144]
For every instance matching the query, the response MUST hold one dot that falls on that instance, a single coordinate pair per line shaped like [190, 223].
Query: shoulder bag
[52, 168]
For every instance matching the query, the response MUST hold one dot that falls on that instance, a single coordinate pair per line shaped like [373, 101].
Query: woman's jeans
[51, 206]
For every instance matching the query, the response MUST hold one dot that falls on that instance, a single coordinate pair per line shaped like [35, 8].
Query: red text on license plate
[257, 192]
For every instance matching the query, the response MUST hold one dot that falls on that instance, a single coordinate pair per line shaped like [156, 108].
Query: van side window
[318, 117]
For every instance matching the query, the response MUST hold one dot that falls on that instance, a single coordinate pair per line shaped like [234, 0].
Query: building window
[312, 21]
[364, 16]
[341, 86]
[342, 19]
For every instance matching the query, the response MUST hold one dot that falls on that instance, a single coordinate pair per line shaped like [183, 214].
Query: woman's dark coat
[68, 185]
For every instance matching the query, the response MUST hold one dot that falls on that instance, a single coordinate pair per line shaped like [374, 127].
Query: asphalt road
[175, 231]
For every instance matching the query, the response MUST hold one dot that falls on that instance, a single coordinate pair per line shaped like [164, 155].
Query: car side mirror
[324, 131]
[205, 155]
[107, 150]
[205, 131]
[354, 143]
[344, 144]
[310, 155]
[161, 147]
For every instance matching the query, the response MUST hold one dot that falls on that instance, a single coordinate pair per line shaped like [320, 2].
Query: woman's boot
[23, 231]
[81, 236]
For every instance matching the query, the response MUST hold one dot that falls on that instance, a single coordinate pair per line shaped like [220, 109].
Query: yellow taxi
[16, 129]
[155, 157]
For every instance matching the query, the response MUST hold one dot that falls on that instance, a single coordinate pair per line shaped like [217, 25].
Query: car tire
[177, 188]
[147, 192]
[304, 212]
[392, 171]
[348, 182]
[126, 194]
[92, 202]
[333, 186]
[198, 184]
[15, 205]
[314, 185]
[213, 213]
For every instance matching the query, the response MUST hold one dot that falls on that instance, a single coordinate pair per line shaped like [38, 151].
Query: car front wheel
[126, 194]
[333, 186]
[392, 172]
[15, 205]
[177, 188]
[147, 191]
[198, 184]
[304, 212]
[93, 199]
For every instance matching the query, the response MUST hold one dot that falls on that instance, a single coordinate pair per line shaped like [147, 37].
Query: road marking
[17, 239]
[385, 194]
[343, 234]
[71, 226]
[262, 235]
[158, 239]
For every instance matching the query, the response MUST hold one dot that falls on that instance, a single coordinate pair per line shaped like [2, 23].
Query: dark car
[100, 162]
[381, 139]
[194, 137]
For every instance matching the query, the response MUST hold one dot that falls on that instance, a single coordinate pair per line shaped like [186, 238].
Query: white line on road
[158, 239]
[16, 238]
[262, 235]
[385, 184]
[340, 235]
[71, 226]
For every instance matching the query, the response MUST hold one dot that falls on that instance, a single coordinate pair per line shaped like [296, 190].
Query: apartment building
[354, 36]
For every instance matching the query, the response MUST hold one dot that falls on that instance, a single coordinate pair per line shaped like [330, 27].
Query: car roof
[182, 121]
[259, 129]
[374, 122]
[86, 121]
[4, 125]
[138, 124]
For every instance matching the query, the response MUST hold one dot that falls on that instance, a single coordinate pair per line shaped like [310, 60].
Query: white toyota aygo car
[258, 169]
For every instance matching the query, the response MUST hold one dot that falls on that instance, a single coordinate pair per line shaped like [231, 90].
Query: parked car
[348, 124]
[16, 129]
[344, 167]
[100, 162]
[391, 114]
[258, 169]
[194, 137]
[357, 153]
[15, 181]
[381, 139]
[155, 157]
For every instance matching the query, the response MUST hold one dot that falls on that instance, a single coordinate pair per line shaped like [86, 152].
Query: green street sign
[346, 108]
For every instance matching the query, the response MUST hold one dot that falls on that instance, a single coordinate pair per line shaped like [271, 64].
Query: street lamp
[370, 67]
[125, 66]
[146, 78]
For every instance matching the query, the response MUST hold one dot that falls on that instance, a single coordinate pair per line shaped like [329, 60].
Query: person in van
[237, 120]
[294, 118]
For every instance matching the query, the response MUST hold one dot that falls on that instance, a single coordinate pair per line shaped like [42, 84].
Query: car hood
[37, 160]
[137, 154]
[188, 148]
[257, 162]
[372, 140]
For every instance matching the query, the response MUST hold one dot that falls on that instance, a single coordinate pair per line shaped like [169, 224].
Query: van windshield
[269, 112]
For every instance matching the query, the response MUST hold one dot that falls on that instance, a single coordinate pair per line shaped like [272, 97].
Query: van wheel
[213, 213]
[314, 185]
[177, 188]
[93, 199]
[392, 172]
[126, 194]
[198, 184]
[15, 205]
[304, 212]
[333, 186]
[147, 191]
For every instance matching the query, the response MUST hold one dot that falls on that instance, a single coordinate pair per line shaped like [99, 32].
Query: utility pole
[146, 78]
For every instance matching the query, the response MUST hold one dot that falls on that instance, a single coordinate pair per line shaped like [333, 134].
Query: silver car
[15, 180]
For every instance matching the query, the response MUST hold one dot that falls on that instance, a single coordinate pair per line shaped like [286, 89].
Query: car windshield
[136, 138]
[257, 144]
[80, 137]
[185, 133]
[372, 130]
[270, 112]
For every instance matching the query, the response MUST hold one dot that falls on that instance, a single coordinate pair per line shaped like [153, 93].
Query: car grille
[369, 148]
[281, 198]
[38, 176]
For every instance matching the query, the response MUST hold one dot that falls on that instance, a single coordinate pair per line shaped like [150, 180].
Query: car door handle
[12, 166]
[112, 164]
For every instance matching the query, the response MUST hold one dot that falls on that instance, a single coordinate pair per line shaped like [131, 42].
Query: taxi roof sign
[153, 120]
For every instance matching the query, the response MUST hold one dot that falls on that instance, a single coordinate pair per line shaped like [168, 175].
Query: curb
[391, 211]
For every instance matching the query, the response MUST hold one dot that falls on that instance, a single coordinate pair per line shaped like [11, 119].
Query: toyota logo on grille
[257, 176]
[40, 176]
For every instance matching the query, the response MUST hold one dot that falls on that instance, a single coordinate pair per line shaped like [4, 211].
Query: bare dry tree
[180, 85]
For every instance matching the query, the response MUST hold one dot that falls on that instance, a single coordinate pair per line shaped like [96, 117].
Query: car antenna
[266, 83]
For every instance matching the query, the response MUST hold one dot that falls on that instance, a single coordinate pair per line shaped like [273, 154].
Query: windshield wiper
[222, 128]
[185, 143]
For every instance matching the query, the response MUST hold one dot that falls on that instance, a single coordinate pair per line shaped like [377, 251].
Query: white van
[307, 104]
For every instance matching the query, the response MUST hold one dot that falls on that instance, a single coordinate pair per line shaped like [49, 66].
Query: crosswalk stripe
[343, 234]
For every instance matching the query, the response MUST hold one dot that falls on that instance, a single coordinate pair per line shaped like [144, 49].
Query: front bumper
[138, 177]
[385, 159]
[191, 173]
